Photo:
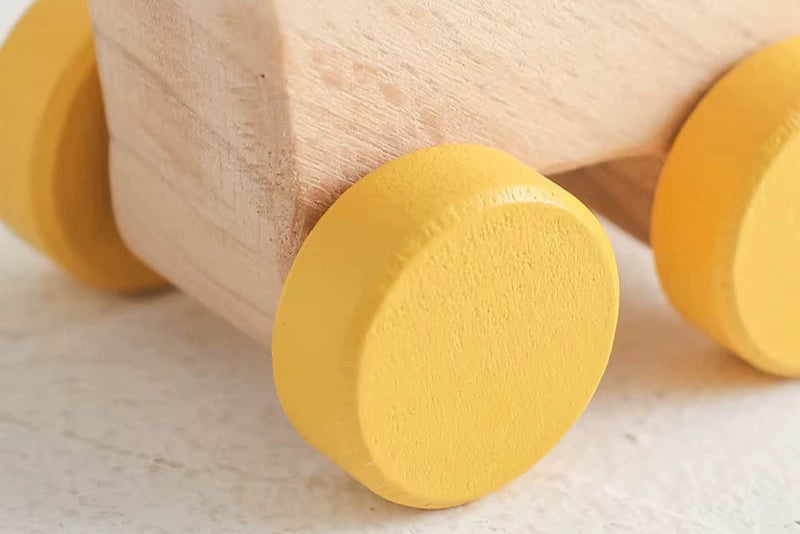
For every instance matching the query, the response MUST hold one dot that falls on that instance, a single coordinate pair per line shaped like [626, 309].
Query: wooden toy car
[438, 326]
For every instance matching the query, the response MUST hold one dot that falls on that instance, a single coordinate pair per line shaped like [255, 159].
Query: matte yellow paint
[726, 219]
[444, 324]
[54, 148]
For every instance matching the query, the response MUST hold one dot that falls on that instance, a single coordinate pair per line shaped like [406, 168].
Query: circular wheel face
[54, 148]
[726, 219]
[445, 324]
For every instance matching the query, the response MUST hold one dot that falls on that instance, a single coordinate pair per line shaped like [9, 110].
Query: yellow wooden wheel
[54, 148]
[444, 324]
[726, 218]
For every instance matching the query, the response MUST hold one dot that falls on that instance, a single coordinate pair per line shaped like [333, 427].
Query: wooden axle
[622, 191]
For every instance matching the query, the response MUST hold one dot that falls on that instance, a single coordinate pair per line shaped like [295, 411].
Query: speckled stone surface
[151, 415]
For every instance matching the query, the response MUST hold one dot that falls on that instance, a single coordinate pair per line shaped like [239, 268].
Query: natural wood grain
[235, 124]
[203, 181]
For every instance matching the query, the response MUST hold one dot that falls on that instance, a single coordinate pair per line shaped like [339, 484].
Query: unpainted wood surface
[235, 124]
[621, 190]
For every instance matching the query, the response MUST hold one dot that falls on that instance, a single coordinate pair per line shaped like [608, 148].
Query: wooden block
[235, 124]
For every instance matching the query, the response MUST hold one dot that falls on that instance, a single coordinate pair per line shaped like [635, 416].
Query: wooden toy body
[440, 315]
[235, 124]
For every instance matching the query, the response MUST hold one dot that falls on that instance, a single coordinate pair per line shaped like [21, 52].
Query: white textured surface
[150, 415]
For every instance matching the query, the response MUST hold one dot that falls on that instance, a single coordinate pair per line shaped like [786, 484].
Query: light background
[151, 414]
